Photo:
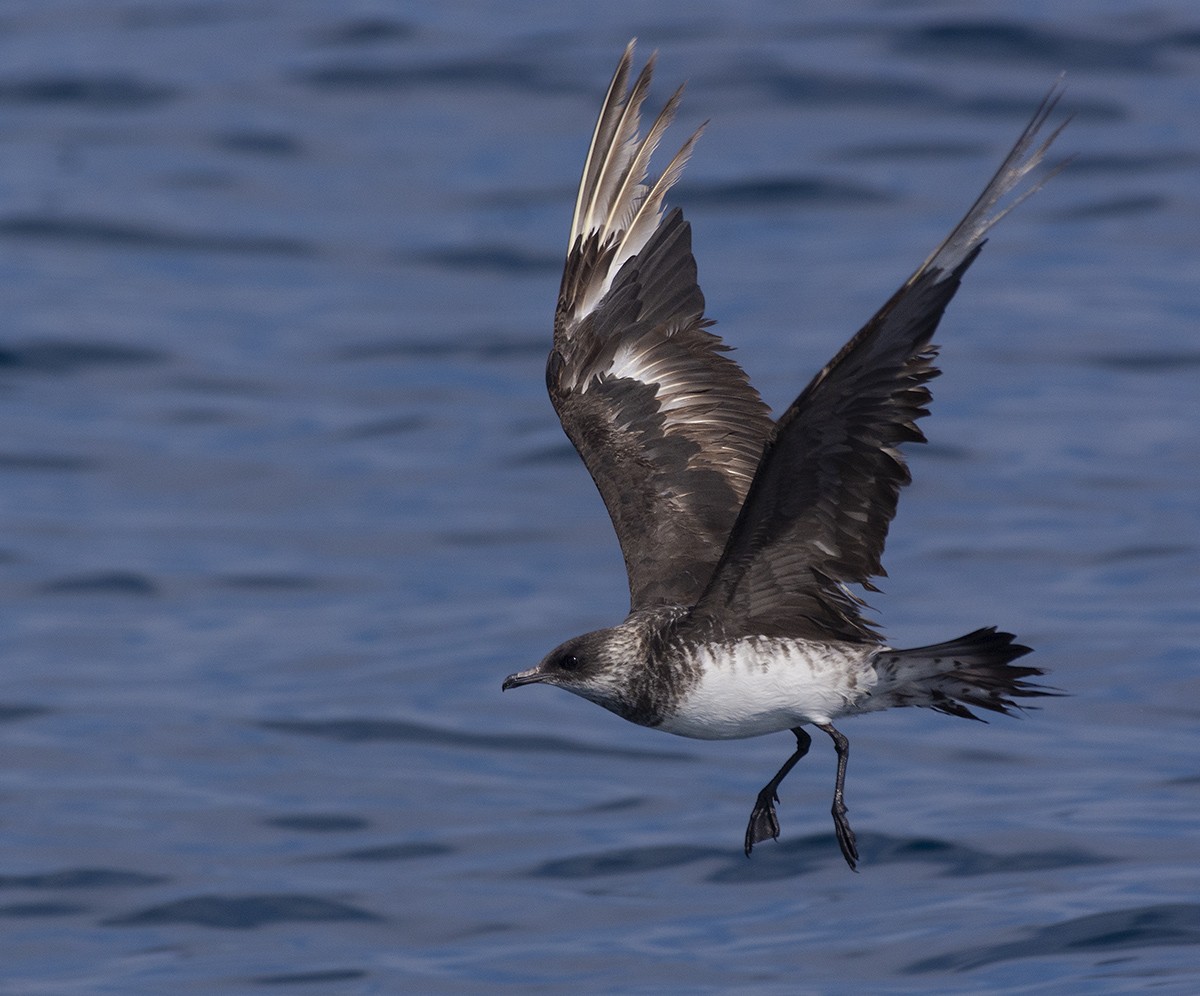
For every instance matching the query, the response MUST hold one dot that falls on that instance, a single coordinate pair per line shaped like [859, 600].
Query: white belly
[759, 685]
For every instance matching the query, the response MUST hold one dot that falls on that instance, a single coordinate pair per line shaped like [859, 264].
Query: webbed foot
[845, 836]
[764, 824]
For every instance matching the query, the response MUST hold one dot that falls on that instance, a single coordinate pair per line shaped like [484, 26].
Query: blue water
[283, 501]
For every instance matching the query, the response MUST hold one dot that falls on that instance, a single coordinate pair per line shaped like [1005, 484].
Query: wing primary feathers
[616, 211]
[601, 137]
[1022, 158]
[648, 213]
[627, 192]
[619, 153]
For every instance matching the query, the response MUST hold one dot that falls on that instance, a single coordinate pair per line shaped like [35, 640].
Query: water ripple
[493, 345]
[91, 92]
[892, 151]
[1013, 43]
[81, 878]
[1148, 362]
[1115, 207]
[319, 822]
[12, 713]
[786, 85]
[245, 912]
[1117, 930]
[782, 190]
[21, 910]
[398, 731]
[490, 74]
[799, 856]
[311, 978]
[269, 582]
[397, 426]
[259, 143]
[69, 356]
[1134, 163]
[105, 232]
[108, 583]
[491, 259]
[407, 851]
[53, 462]
[627, 860]
[363, 31]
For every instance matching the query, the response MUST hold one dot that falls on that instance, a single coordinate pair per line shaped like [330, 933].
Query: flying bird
[740, 532]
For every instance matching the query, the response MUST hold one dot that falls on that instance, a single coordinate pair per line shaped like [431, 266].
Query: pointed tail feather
[974, 670]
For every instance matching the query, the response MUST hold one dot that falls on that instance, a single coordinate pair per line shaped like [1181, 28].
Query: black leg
[763, 821]
[845, 836]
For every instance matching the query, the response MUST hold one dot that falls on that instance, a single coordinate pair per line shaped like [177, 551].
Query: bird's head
[588, 666]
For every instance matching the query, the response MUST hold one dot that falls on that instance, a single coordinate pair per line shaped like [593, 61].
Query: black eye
[568, 662]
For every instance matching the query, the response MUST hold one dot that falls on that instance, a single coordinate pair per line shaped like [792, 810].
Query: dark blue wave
[52, 462]
[68, 356]
[319, 822]
[773, 191]
[108, 583]
[493, 345]
[12, 713]
[1168, 924]
[789, 858]
[933, 149]
[393, 852]
[398, 426]
[784, 85]
[259, 143]
[490, 259]
[245, 912]
[487, 73]
[101, 92]
[397, 731]
[363, 31]
[107, 232]
[1134, 163]
[81, 878]
[1012, 43]
[269, 582]
[21, 911]
[628, 861]
[1128, 205]
[311, 978]
[557, 453]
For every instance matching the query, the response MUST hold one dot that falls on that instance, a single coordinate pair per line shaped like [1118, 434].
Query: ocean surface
[282, 501]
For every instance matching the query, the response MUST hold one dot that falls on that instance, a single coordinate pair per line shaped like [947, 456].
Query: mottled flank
[759, 685]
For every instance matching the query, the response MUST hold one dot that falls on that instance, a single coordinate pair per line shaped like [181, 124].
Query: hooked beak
[529, 677]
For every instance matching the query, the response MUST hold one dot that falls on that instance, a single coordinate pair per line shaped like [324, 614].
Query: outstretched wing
[668, 426]
[818, 512]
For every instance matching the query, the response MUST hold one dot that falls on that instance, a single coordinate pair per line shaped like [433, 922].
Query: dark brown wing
[818, 512]
[668, 426]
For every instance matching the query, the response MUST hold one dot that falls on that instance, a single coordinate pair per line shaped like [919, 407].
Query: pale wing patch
[628, 362]
[680, 404]
[673, 391]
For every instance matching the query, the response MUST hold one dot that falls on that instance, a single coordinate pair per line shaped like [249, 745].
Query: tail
[974, 670]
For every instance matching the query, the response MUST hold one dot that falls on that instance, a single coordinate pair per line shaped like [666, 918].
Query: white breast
[759, 685]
